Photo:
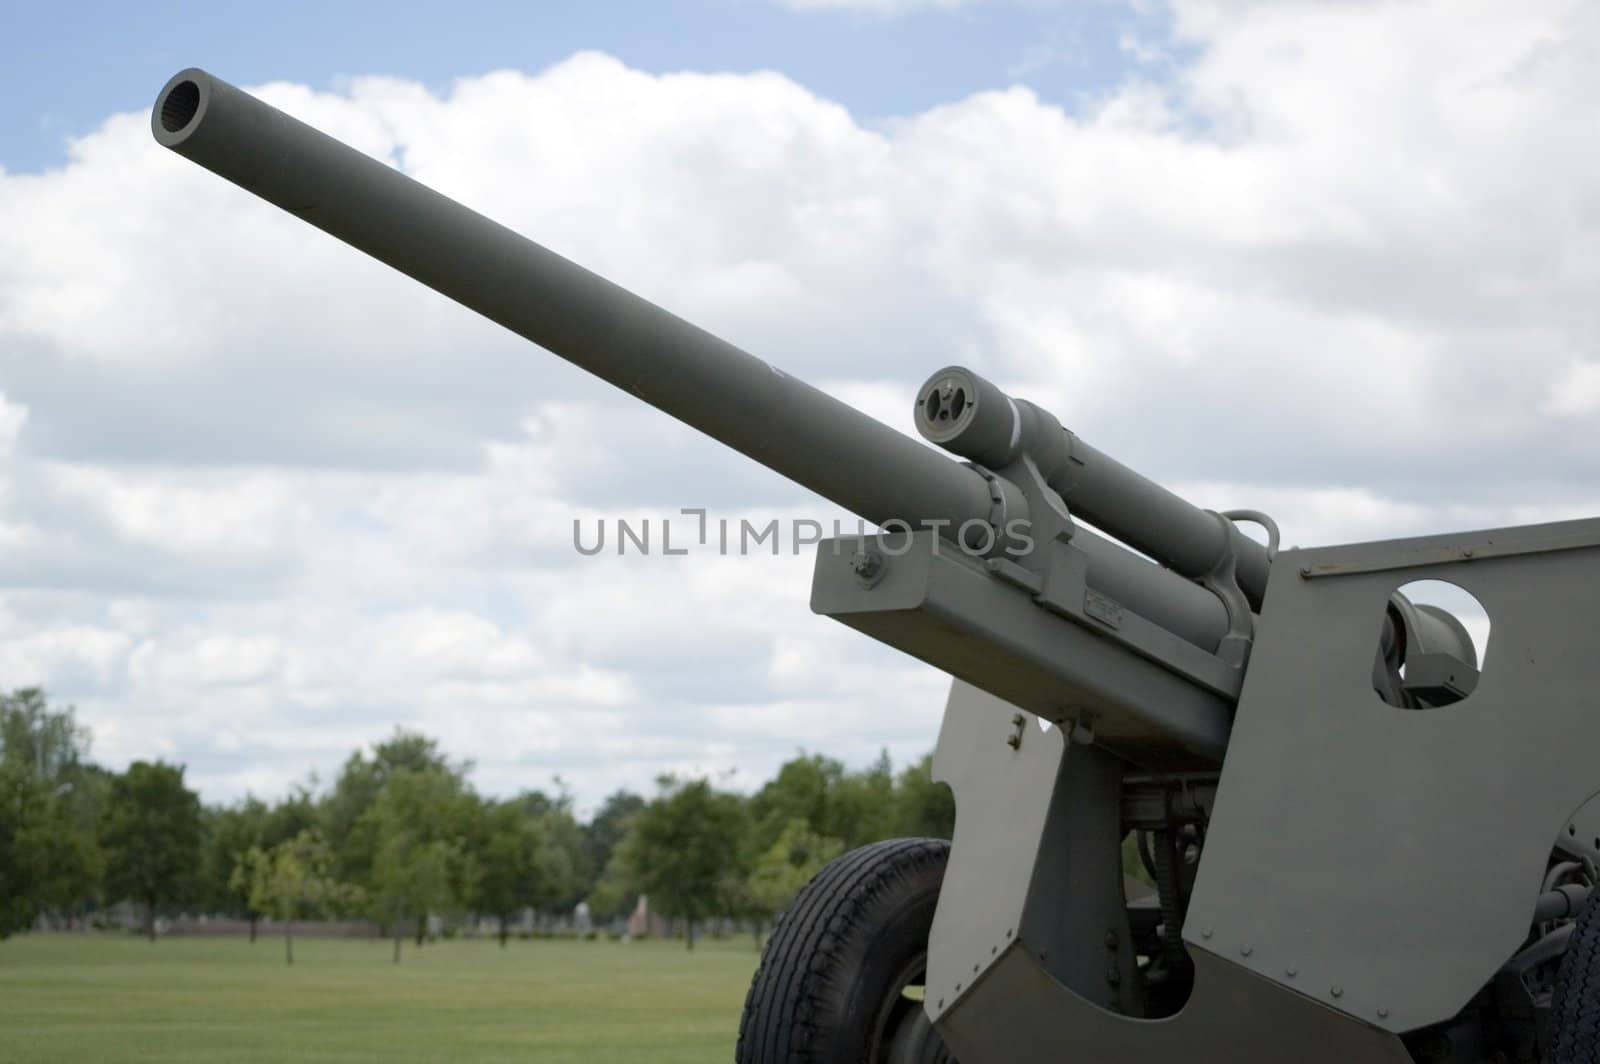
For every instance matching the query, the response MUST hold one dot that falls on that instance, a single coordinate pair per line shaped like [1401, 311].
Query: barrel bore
[179, 106]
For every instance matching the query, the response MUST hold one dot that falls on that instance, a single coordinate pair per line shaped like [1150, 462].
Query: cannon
[1359, 842]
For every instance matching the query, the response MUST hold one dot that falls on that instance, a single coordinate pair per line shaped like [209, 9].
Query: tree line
[401, 836]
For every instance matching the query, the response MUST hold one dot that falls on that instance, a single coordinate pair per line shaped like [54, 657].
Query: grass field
[108, 997]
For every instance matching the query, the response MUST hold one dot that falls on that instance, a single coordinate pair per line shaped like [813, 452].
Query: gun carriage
[1364, 847]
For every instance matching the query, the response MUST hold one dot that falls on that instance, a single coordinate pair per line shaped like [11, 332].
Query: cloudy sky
[261, 500]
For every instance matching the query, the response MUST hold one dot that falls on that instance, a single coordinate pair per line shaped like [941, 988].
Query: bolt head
[869, 567]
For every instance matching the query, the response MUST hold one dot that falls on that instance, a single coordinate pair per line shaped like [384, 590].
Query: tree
[861, 807]
[613, 894]
[46, 862]
[231, 834]
[85, 791]
[343, 813]
[294, 879]
[50, 742]
[797, 855]
[923, 808]
[681, 846]
[295, 814]
[516, 864]
[562, 833]
[606, 828]
[411, 876]
[855, 807]
[420, 825]
[49, 799]
[151, 834]
[803, 789]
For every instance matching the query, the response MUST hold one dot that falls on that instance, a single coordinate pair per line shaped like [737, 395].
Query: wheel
[1575, 1004]
[840, 978]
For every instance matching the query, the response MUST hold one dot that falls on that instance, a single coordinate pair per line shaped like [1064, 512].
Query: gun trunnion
[1379, 881]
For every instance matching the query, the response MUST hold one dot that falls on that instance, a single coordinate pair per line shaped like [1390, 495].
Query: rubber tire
[846, 936]
[1575, 1004]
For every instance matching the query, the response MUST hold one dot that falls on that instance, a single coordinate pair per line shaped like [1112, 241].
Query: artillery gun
[1364, 846]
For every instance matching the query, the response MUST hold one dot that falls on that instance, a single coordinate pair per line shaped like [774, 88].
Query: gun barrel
[785, 424]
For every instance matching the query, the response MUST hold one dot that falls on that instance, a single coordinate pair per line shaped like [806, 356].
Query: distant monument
[639, 921]
[643, 922]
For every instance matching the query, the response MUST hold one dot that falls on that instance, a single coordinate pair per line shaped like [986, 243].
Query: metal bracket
[1223, 581]
[1049, 520]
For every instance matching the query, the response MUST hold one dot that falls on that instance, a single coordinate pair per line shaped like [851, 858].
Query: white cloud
[1577, 391]
[12, 418]
[260, 500]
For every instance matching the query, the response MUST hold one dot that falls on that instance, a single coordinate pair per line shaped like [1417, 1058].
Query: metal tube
[780, 421]
[1169, 528]
[1560, 903]
[966, 414]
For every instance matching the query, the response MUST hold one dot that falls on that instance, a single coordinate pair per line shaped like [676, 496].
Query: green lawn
[109, 997]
